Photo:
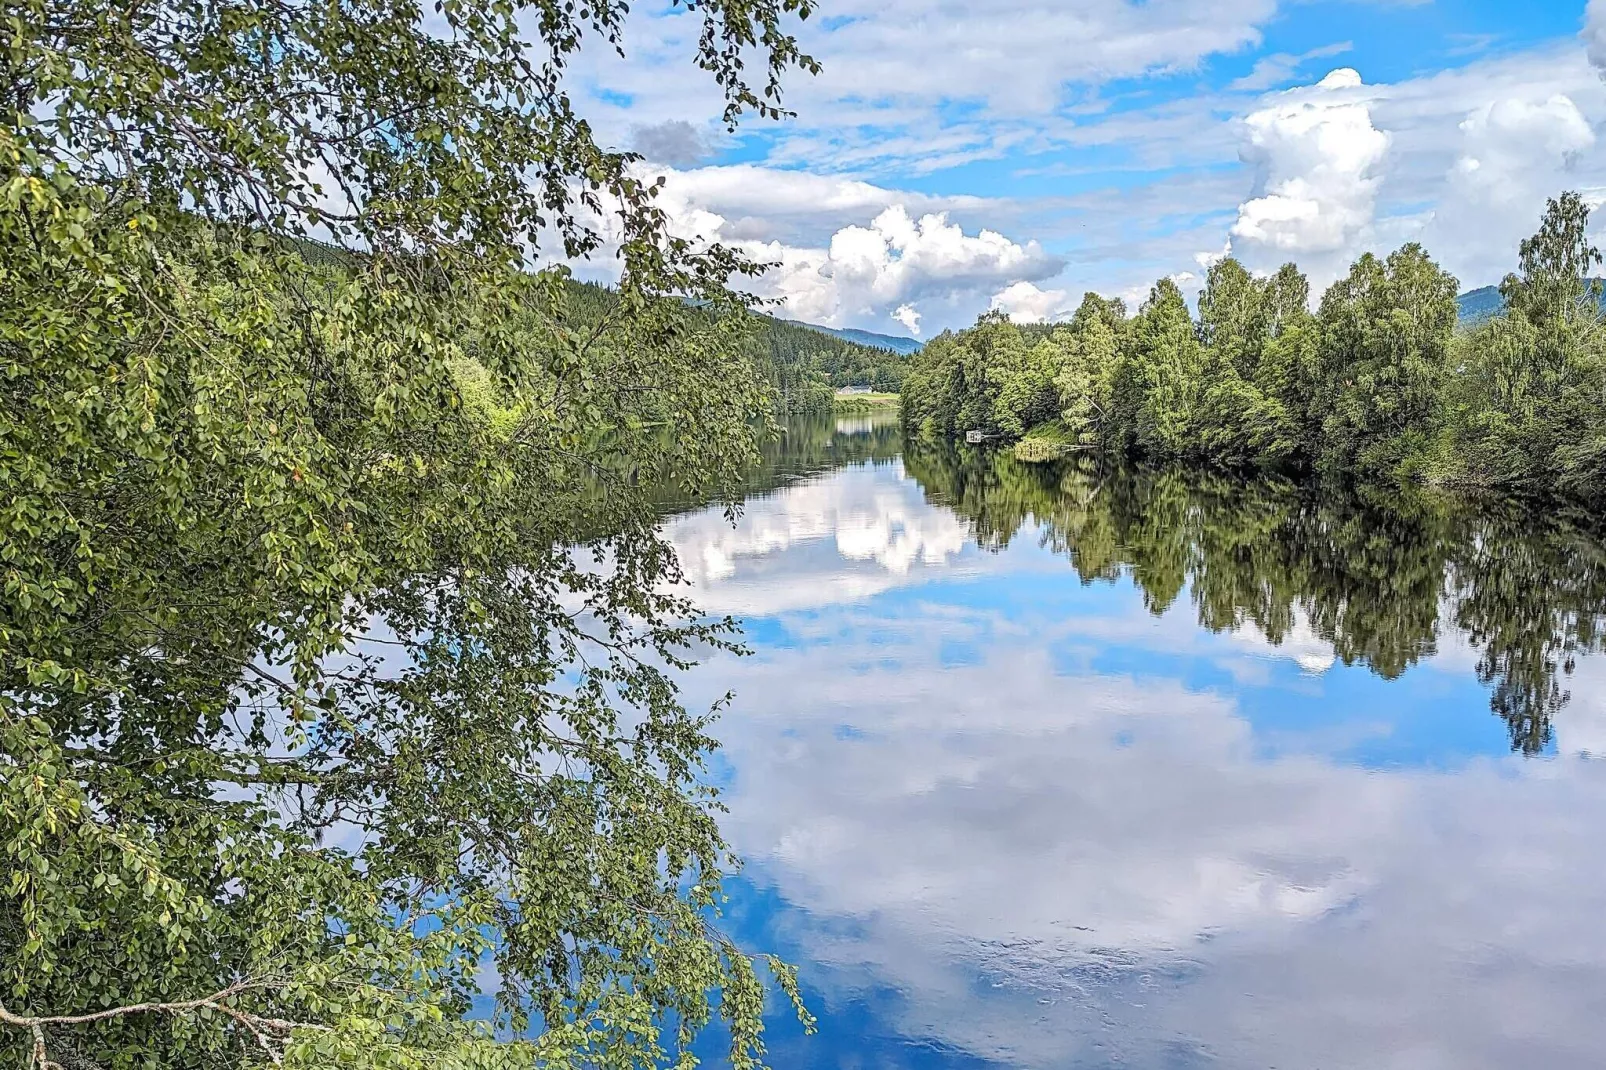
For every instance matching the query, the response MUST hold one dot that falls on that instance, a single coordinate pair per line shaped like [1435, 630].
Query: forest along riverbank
[1378, 385]
[1053, 764]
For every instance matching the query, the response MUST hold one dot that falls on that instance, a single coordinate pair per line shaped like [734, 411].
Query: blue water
[1002, 817]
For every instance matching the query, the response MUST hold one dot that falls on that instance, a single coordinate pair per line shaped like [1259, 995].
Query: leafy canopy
[337, 647]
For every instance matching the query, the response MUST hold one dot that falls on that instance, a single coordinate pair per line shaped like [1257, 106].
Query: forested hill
[845, 357]
[843, 361]
[1476, 306]
[903, 346]
[804, 363]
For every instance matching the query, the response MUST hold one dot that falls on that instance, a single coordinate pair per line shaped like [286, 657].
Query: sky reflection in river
[1002, 817]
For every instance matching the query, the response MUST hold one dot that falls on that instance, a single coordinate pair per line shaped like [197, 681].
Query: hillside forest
[1378, 383]
[803, 365]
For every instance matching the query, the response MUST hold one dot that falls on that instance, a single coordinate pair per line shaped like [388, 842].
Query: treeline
[803, 367]
[1380, 575]
[1377, 383]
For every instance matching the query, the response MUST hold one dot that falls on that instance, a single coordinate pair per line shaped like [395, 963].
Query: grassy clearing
[864, 402]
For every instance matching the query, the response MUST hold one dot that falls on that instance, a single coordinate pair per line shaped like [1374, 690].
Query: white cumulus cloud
[1024, 302]
[1320, 154]
[894, 267]
[906, 315]
[1594, 34]
[1514, 153]
[844, 252]
[1505, 139]
[795, 207]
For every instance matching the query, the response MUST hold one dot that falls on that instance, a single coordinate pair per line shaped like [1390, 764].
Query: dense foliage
[1376, 383]
[1378, 576]
[336, 634]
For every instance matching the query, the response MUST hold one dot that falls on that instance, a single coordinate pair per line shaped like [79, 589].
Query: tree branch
[268, 1032]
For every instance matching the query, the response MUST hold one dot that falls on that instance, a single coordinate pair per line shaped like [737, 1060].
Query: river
[1048, 766]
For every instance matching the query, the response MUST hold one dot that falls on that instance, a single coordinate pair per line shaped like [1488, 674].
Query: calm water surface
[1048, 767]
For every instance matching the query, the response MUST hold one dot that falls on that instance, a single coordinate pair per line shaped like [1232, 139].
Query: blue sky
[953, 157]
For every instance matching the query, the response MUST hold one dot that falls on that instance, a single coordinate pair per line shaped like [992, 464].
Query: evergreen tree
[1233, 334]
[1285, 428]
[933, 387]
[1023, 377]
[1233, 319]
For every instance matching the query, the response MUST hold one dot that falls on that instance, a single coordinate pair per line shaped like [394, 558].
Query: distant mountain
[901, 346]
[1475, 306]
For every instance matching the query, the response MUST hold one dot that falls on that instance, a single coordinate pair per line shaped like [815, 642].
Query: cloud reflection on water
[828, 540]
[1024, 820]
